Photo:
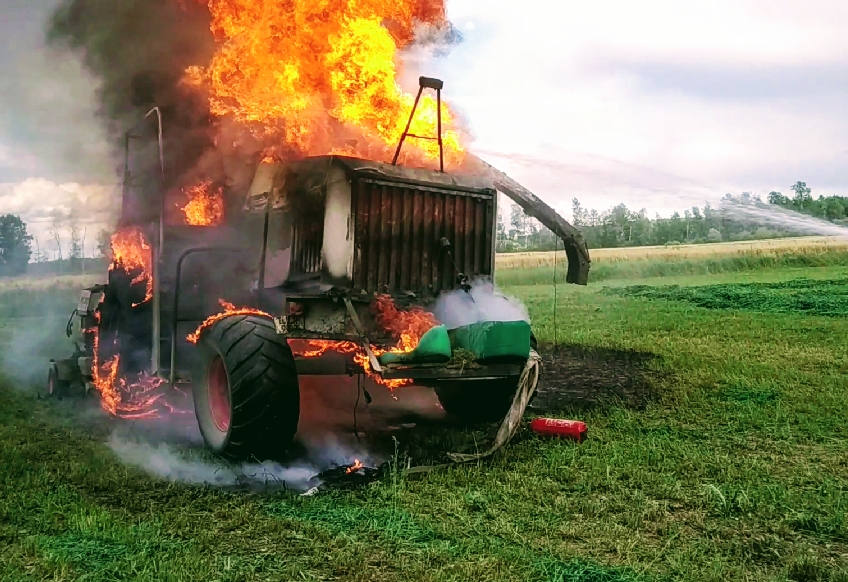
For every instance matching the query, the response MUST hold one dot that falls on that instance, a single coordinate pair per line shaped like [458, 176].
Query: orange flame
[357, 465]
[205, 206]
[131, 252]
[322, 76]
[406, 326]
[119, 397]
[317, 348]
[229, 309]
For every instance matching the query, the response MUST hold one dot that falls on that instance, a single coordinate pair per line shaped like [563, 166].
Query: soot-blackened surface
[582, 377]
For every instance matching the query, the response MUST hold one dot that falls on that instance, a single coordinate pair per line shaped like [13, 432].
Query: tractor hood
[273, 180]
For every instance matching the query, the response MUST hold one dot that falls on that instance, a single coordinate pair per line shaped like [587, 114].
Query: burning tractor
[323, 266]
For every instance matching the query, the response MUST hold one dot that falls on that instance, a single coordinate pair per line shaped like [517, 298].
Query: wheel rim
[219, 394]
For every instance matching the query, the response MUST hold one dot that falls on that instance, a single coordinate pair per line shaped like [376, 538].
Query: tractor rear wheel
[246, 392]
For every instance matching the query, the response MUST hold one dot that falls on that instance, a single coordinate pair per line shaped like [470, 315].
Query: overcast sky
[659, 104]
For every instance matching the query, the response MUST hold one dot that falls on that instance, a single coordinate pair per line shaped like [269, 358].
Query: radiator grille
[398, 229]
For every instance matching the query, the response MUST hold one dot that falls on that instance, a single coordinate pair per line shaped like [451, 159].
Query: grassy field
[733, 466]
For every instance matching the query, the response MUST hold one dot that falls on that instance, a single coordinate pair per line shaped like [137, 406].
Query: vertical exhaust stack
[437, 85]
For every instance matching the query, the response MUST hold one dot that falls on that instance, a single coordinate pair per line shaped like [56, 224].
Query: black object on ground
[347, 477]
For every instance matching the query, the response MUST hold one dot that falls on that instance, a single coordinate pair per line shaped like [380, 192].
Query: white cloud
[40, 202]
[657, 104]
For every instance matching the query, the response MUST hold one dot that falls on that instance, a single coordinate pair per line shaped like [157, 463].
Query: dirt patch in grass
[582, 377]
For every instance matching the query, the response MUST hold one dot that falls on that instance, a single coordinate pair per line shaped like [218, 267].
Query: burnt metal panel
[394, 264]
[406, 241]
[427, 233]
[438, 233]
[398, 230]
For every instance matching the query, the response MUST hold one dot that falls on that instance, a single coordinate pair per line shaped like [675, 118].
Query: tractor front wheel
[56, 388]
[246, 392]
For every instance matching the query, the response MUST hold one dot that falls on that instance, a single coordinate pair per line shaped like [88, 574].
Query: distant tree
[835, 210]
[778, 199]
[76, 251]
[15, 245]
[56, 224]
[802, 197]
[104, 240]
[501, 232]
[517, 220]
[580, 216]
[714, 235]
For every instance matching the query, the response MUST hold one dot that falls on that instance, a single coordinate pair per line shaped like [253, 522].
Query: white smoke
[169, 462]
[171, 448]
[482, 303]
[775, 216]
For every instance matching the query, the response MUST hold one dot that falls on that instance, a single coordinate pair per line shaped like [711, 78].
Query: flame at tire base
[406, 326]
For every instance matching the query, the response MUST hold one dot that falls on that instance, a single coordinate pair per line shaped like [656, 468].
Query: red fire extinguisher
[570, 429]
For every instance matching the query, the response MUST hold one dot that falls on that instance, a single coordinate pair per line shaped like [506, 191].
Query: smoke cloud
[483, 303]
[186, 466]
[138, 51]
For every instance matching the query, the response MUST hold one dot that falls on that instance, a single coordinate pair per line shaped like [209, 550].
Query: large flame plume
[321, 76]
[140, 397]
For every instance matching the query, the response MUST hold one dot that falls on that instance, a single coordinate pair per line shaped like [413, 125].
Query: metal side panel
[397, 232]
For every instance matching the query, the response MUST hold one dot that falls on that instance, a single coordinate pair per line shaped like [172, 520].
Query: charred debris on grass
[587, 378]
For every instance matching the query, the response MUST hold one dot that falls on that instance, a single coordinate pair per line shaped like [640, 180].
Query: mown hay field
[611, 265]
[26, 283]
[674, 253]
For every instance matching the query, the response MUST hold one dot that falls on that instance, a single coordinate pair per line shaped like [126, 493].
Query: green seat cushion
[434, 347]
[493, 339]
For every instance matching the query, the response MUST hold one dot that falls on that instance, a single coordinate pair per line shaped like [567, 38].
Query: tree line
[19, 250]
[622, 227]
[617, 227]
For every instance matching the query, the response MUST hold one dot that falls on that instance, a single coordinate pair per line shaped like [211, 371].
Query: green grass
[735, 470]
[799, 296]
[664, 267]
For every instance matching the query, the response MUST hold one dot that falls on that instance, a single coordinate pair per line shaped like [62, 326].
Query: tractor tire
[56, 388]
[246, 391]
[474, 401]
